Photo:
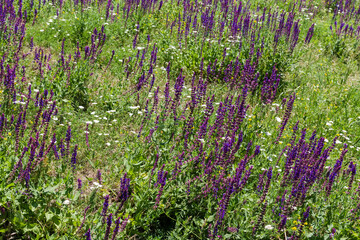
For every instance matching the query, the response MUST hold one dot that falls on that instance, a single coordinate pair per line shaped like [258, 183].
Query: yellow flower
[295, 222]
[9, 134]
[294, 228]
[305, 223]
[5, 139]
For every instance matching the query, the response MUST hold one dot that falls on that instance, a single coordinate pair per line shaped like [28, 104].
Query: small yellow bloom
[305, 223]
[5, 139]
[294, 228]
[295, 222]
[9, 134]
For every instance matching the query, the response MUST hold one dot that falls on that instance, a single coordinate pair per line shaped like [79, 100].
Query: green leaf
[51, 189]
[49, 215]
[211, 218]
[227, 236]
[10, 185]
[91, 163]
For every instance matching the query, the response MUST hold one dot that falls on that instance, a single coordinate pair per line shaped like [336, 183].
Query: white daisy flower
[269, 227]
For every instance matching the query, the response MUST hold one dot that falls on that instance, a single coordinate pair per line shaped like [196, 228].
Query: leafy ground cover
[179, 119]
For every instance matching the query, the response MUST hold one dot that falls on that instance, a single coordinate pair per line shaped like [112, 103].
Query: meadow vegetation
[188, 119]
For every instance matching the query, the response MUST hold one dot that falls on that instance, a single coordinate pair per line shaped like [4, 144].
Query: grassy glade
[185, 120]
